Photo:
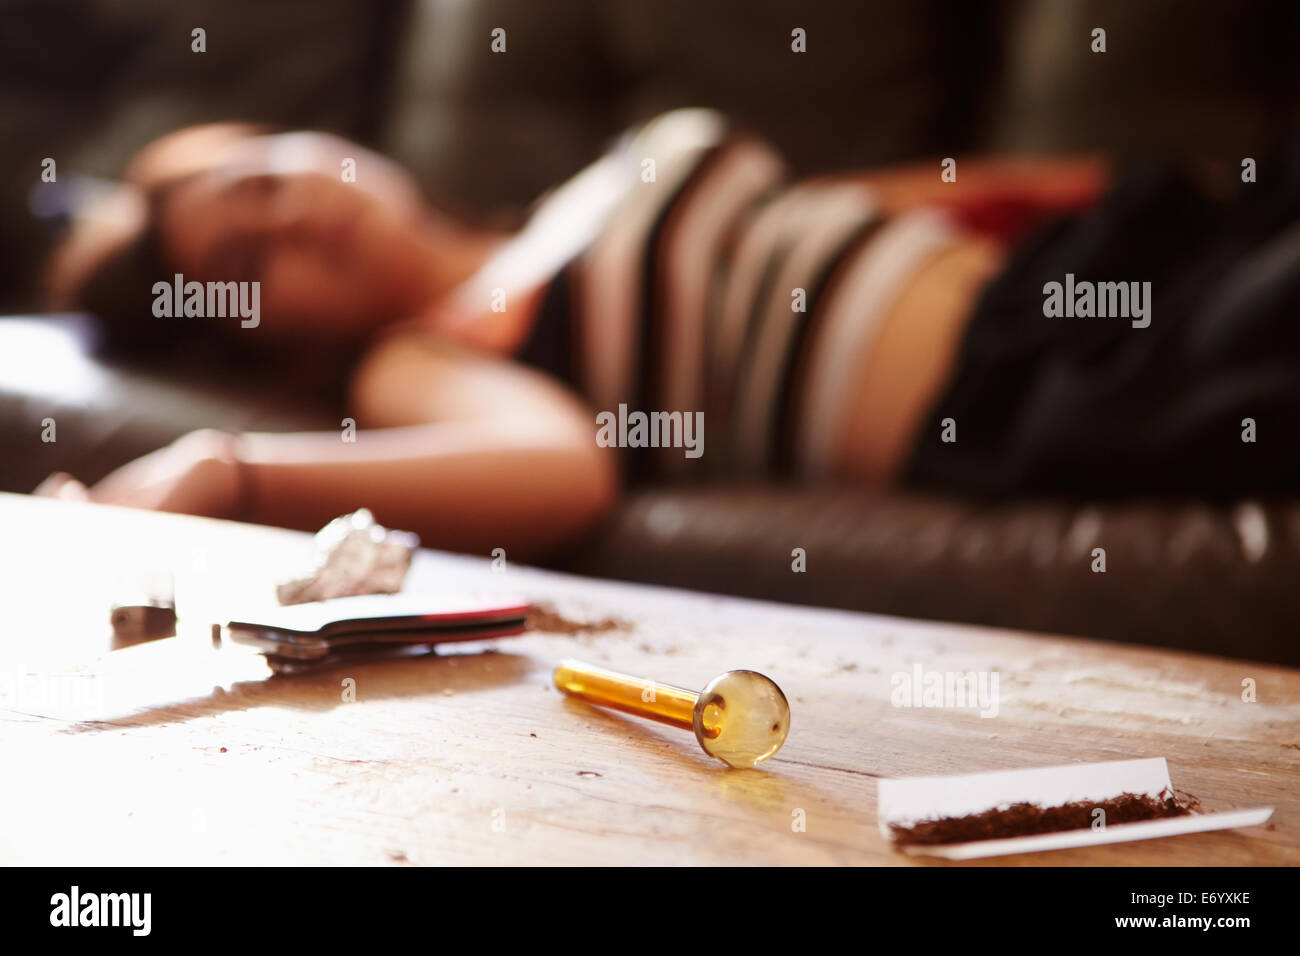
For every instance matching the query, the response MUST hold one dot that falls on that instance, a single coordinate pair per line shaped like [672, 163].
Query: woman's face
[330, 256]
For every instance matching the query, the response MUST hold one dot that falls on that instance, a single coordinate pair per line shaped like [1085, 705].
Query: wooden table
[472, 757]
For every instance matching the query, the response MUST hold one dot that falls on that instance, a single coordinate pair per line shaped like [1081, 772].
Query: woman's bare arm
[470, 451]
[460, 486]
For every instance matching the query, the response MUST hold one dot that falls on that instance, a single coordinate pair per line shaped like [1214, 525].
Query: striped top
[691, 276]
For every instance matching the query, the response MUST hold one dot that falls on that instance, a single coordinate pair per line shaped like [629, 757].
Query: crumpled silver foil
[354, 555]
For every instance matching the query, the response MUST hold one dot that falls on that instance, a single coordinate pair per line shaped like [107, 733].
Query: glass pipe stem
[633, 695]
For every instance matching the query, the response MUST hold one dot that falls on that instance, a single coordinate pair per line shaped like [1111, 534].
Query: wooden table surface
[472, 757]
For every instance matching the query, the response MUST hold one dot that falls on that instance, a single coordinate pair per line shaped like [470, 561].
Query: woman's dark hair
[119, 291]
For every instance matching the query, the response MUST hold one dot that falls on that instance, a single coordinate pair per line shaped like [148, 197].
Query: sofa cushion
[1188, 575]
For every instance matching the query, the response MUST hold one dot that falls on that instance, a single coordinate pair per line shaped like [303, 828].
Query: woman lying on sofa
[866, 329]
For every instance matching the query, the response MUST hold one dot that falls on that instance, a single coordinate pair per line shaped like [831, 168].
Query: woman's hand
[197, 474]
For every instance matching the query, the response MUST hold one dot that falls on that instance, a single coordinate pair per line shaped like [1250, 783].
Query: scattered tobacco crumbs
[1026, 819]
[544, 617]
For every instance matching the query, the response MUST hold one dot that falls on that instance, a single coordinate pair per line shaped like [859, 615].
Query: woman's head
[334, 235]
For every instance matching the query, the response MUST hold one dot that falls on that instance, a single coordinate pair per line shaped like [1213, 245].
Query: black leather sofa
[883, 81]
[1215, 578]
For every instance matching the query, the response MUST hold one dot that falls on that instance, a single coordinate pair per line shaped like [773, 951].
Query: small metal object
[145, 609]
[138, 623]
[741, 717]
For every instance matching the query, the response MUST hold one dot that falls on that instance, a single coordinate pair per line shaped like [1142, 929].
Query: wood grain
[471, 757]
